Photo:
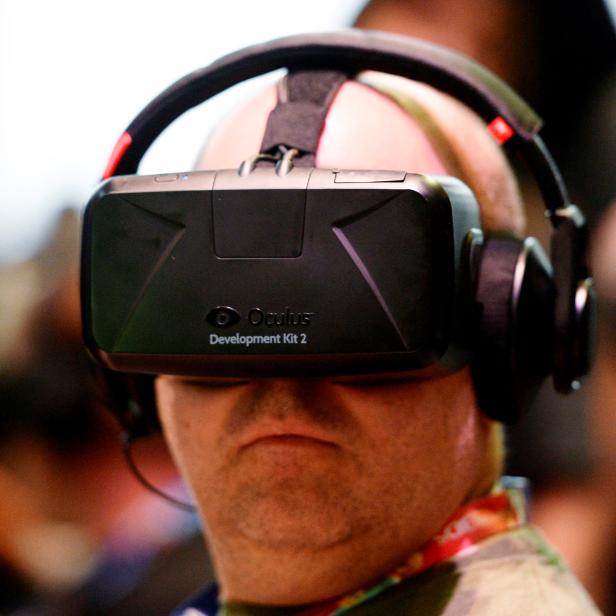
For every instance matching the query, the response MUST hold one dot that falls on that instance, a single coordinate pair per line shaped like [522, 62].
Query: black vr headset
[280, 269]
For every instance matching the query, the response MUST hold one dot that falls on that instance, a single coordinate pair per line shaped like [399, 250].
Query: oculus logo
[222, 317]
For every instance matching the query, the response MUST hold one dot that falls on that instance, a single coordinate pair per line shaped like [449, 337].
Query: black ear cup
[515, 340]
[130, 398]
[575, 304]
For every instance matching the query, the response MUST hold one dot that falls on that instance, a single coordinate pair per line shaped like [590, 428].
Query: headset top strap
[297, 120]
[351, 51]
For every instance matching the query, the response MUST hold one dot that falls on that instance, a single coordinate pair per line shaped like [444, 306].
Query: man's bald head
[386, 122]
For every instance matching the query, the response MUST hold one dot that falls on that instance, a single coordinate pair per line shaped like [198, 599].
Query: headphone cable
[127, 441]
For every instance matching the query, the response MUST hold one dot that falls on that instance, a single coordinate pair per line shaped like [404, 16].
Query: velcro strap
[294, 125]
[298, 118]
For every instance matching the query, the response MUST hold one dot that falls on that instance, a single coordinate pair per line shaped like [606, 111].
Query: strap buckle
[282, 158]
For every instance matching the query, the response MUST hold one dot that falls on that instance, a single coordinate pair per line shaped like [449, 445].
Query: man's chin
[294, 533]
[291, 516]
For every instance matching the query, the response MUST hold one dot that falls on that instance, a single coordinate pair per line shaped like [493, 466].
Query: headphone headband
[353, 51]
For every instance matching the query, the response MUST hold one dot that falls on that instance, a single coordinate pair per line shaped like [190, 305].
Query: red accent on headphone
[500, 130]
[119, 149]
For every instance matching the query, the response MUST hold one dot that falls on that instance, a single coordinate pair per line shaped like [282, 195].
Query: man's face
[288, 464]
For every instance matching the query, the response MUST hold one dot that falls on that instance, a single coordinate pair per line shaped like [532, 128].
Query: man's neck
[289, 577]
[501, 510]
[286, 577]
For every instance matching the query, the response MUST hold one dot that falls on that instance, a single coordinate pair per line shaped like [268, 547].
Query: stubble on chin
[313, 507]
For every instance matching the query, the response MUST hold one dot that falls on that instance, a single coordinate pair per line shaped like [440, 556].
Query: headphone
[534, 317]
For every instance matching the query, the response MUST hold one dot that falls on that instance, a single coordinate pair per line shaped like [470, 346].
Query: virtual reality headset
[276, 268]
[312, 272]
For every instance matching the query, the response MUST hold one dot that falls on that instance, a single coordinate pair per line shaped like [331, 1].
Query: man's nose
[282, 396]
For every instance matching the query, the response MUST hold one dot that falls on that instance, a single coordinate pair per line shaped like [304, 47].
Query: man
[320, 496]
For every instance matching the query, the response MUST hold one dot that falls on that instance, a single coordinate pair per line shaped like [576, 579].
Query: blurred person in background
[602, 405]
[77, 535]
[561, 59]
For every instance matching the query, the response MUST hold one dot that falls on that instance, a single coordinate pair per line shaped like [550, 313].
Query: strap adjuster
[282, 158]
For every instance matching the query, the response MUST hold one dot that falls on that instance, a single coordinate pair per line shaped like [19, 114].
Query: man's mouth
[285, 434]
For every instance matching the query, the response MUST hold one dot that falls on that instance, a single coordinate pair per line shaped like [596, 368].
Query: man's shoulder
[510, 574]
[514, 573]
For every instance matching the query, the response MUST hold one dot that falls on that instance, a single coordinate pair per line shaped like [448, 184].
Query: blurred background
[78, 535]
